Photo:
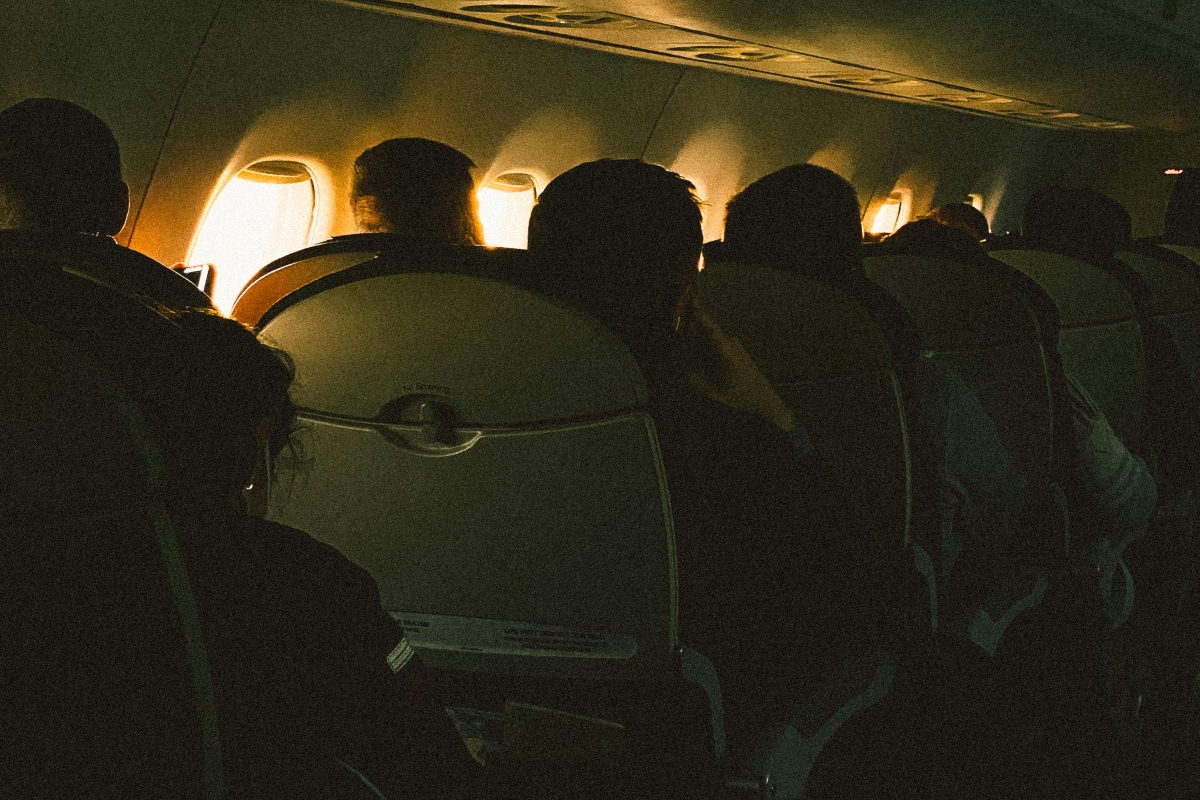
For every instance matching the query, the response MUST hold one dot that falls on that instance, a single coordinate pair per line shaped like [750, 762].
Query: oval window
[262, 213]
[892, 214]
[504, 207]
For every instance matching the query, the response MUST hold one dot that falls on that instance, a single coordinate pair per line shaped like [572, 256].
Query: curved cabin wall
[725, 131]
[317, 82]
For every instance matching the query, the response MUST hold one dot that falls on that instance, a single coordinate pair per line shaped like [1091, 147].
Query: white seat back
[486, 454]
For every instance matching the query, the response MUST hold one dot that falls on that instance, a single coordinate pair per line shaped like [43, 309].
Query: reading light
[1173, 171]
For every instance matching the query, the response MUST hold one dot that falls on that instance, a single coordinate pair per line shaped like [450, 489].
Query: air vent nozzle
[571, 19]
[507, 8]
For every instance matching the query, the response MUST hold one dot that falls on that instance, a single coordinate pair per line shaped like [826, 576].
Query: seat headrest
[970, 308]
[102, 261]
[768, 307]
[396, 346]
[1084, 293]
[1172, 289]
[348, 258]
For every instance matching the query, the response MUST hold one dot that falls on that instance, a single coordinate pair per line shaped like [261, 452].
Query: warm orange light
[892, 214]
[255, 219]
[504, 207]
[1173, 171]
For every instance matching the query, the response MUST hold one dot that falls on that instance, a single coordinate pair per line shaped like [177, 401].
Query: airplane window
[263, 212]
[894, 212]
[504, 207]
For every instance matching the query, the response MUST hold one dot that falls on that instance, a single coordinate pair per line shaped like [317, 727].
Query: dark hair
[205, 396]
[1182, 222]
[926, 237]
[1071, 220]
[965, 217]
[418, 187]
[802, 218]
[621, 239]
[60, 166]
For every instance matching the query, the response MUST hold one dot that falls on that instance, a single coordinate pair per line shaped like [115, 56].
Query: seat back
[104, 668]
[1190, 252]
[102, 261]
[487, 455]
[1174, 304]
[1100, 339]
[986, 332]
[386, 251]
[828, 359]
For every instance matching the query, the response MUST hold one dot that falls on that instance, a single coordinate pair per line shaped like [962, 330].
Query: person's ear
[113, 219]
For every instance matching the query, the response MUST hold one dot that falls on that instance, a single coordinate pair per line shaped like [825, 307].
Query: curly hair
[206, 396]
[418, 187]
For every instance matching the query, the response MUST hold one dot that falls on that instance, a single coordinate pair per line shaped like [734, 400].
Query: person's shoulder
[301, 557]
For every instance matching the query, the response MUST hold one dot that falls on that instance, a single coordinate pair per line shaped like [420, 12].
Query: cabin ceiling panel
[1060, 64]
[125, 60]
[321, 86]
[719, 125]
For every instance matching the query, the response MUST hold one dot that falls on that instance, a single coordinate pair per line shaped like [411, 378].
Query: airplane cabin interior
[1012, 606]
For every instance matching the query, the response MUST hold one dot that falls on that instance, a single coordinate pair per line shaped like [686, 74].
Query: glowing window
[892, 214]
[504, 207]
[975, 201]
[264, 212]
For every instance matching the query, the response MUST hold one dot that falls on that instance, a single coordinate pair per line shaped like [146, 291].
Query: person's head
[216, 398]
[621, 239]
[926, 237]
[1081, 221]
[416, 187]
[60, 170]
[965, 217]
[1182, 222]
[802, 218]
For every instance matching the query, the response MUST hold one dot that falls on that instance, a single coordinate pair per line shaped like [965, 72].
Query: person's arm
[722, 370]
[388, 717]
[1112, 483]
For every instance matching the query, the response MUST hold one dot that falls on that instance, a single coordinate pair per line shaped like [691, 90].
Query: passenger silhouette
[1088, 225]
[1182, 221]
[1076, 222]
[802, 218]
[978, 496]
[60, 170]
[416, 187]
[933, 239]
[61, 191]
[760, 545]
[806, 219]
[966, 218]
[312, 676]
[1109, 490]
